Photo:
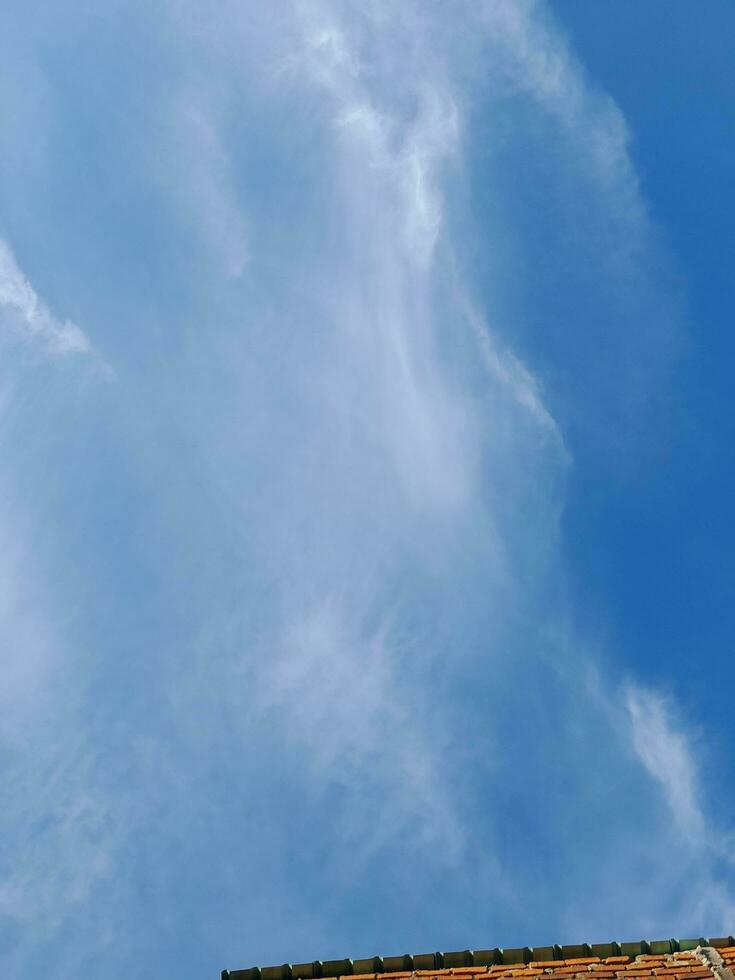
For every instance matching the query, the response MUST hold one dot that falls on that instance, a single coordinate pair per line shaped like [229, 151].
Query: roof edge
[330, 969]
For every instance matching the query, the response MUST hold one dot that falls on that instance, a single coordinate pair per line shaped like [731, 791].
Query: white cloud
[343, 505]
[664, 749]
[401, 457]
[538, 60]
[339, 685]
[24, 313]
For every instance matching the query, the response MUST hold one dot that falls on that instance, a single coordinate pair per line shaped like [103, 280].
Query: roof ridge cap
[409, 963]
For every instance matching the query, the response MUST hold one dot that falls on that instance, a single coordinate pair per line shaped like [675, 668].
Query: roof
[667, 959]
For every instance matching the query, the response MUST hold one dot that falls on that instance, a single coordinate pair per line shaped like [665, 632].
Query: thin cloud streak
[669, 751]
[665, 752]
[24, 312]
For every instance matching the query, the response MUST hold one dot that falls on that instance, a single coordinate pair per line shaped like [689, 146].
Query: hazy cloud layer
[294, 658]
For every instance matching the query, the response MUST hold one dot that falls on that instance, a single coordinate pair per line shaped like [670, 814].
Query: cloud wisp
[311, 655]
[25, 314]
[665, 752]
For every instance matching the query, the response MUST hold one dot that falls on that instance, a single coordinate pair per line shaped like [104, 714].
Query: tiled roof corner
[659, 959]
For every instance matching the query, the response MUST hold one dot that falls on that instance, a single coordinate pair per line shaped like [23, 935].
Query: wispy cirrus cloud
[673, 754]
[664, 748]
[319, 660]
[25, 314]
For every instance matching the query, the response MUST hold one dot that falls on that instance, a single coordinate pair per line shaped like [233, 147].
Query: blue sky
[365, 426]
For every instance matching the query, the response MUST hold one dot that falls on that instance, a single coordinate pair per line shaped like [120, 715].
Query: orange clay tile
[684, 969]
[668, 966]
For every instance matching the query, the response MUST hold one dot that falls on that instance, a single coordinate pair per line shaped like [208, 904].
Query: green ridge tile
[454, 960]
[519, 954]
[660, 946]
[396, 964]
[371, 964]
[486, 957]
[306, 971]
[543, 953]
[282, 972]
[633, 949]
[603, 950]
[336, 968]
[576, 952]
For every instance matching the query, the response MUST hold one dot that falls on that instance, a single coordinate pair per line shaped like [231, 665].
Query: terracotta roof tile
[669, 959]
